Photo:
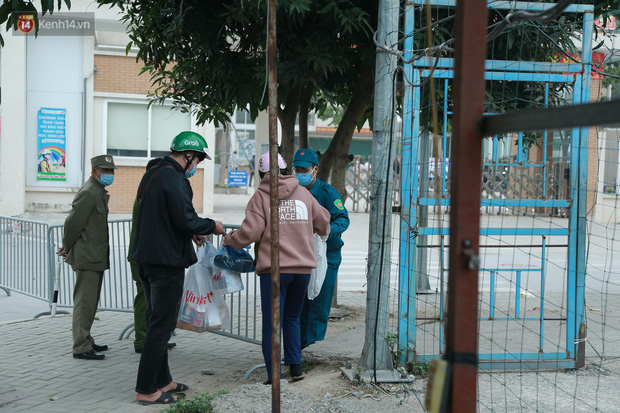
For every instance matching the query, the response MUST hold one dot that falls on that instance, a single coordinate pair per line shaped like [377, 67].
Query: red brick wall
[120, 74]
[126, 181]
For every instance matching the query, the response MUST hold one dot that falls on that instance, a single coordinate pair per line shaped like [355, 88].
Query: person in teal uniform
[315, 313]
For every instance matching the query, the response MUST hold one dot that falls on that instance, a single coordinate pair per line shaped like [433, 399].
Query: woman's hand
[227, 237]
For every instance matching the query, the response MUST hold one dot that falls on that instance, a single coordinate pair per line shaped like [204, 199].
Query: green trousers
[85, 300]
[139, 310]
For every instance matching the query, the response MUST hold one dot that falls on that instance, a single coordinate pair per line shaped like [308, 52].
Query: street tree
[210, 57]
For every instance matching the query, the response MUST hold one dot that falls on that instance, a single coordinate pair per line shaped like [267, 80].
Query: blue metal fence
[526, 188]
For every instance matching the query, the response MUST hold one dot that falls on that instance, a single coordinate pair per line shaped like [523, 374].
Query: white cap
[263, 163]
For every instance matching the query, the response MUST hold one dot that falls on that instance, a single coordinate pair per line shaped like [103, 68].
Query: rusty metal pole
[272, 82]
[469, 86]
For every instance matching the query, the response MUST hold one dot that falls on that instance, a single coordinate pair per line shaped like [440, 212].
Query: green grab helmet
[190, 141]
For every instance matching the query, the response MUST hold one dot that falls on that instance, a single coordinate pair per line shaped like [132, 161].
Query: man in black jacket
[162, 247]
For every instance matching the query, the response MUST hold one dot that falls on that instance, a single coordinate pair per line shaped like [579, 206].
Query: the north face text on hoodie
[293, 211]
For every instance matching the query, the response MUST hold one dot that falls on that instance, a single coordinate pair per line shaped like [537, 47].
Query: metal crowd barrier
[28, 266]
[24, 258]
[244, 306]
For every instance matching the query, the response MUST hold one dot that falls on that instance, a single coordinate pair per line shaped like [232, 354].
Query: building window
[243, 117]
[243, 136]
[134, 129]
[246, 142]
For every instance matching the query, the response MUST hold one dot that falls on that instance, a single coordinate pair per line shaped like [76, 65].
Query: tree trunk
[287, 117]
[339, 170]
[335, 157]
[304, 108]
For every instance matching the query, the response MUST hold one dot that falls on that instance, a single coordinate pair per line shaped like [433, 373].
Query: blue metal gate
[535, 220]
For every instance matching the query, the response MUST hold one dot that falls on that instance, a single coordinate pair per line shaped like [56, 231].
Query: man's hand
[200, 239]
[219, 228]
[61, 252]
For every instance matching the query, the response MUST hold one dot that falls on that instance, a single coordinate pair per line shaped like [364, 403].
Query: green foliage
[614, 82]
[530, 140]
[211, 55]
[200, 404]
[392, 340]
[418, 369]
[330, 112]
[523, 41]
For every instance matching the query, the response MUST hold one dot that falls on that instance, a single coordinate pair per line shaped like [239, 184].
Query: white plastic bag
[226, 281]
[317, 276]
[202, 306]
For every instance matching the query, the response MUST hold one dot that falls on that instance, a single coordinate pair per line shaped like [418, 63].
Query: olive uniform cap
[103, 162]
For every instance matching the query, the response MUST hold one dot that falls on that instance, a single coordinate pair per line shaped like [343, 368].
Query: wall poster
[51, 144]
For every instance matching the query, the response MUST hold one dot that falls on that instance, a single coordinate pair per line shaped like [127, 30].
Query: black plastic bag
[235, 260]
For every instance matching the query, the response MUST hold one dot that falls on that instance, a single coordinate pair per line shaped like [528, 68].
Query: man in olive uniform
[315, 313]
[85, 247]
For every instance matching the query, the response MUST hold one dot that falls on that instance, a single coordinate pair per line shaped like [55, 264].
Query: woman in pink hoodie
[300, 216]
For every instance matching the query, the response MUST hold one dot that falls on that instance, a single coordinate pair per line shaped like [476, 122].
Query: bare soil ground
[326, 389]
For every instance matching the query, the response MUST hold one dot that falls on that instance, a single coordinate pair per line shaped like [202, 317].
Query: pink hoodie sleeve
[252, 227]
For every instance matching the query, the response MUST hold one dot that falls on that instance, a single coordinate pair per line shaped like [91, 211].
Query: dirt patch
[325, 389]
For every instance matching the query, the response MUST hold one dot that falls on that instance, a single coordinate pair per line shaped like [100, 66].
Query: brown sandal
[300, 377]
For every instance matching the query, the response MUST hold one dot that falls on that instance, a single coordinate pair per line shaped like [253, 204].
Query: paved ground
[38, 373]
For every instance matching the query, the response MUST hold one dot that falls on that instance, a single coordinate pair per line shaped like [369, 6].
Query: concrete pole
[376, 361]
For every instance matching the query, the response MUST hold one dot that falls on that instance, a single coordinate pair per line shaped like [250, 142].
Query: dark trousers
[315, 313]
[163, 289]
[292, 291]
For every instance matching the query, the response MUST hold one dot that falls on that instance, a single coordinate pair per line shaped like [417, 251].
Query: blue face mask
[106, 179]
[189, 174]
[304, 179]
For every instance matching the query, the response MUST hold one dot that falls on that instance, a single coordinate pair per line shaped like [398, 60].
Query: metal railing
[28, 266]
[24, 257]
